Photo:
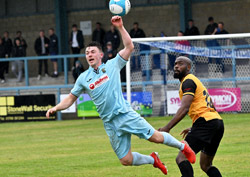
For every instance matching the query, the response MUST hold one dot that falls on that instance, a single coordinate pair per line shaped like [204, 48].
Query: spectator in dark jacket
[211, 26]
[77, 70]
[17, 66]
[76, 41]
[191, 30]
[109, 52]
[220, 29]
[7, 42]
[136, 32]
[23, 42]
[213, 43]
[2, 64]
[112, 36]
[42, 49]
[53, 50]
[99, 34]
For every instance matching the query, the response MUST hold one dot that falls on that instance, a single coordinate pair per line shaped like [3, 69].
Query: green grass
[81, 148]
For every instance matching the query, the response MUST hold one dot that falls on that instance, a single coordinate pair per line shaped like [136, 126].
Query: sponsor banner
[26, 108]
[214, 52]
[71, 109]
[227, 99]
[224, 100]
[141, 102]
[173, 101]
[86, 107]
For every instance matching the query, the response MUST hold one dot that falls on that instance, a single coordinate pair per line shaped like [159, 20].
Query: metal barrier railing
[59, 57]
[148, 80]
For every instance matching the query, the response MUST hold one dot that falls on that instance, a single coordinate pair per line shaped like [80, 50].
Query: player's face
[180, 69]
[94, 56]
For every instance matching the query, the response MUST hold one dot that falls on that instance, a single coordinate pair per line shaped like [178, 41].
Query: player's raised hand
[51, 112]
[117, 21]
[185, 132]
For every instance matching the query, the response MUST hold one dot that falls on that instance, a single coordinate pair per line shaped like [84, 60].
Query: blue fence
[59, 57]
[147, 72]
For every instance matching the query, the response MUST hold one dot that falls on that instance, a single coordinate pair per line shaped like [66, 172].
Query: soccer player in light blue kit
[102, 83]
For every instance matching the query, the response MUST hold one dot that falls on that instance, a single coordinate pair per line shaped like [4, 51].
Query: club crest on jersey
[103, 70]
[99, 82]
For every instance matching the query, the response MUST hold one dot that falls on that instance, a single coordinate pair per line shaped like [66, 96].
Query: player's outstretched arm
[127, 42]
[64, 104]
[181, 113]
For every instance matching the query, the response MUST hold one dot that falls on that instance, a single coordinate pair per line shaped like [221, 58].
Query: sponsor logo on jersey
[89, 80]
[103, 79]
[103, 70]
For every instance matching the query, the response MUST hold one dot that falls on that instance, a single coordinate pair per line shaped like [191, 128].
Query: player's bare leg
[206, 165]
[137, 159]
[128, 159]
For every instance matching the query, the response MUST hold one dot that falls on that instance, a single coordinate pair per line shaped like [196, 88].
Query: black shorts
[205, 135]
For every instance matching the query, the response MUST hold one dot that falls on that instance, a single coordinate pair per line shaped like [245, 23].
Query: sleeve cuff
[122, 58]
[188, 93]
[74, 94]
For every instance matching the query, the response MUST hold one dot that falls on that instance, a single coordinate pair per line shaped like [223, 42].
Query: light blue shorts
[120, 128]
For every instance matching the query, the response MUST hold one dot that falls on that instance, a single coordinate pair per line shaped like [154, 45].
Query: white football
[119, 7]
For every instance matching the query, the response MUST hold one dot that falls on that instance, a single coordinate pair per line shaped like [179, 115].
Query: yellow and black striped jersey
[201, 105]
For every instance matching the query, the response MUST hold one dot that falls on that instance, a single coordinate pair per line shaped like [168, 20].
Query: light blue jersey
[120, 120]
[104, 87]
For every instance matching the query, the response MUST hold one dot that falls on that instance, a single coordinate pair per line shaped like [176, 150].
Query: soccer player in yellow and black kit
[207, 129]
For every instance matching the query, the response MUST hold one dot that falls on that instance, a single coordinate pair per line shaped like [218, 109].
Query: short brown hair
[95, 44]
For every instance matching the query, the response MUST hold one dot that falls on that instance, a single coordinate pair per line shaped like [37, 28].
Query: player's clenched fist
[51, 112]
[117, 21]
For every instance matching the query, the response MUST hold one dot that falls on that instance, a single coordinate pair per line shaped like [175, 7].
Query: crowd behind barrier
[48, 47]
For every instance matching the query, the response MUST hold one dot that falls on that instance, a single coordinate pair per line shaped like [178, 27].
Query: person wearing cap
[109, 52]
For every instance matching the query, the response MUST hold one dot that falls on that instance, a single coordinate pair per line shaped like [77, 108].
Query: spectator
[7, 42]
[191, 30]
[23, 42]
[220, 29]
[42, 49]
[179, 48]
[17, 66]
[76, 42]
[211, 26]
[182, 42]
[78, 69]
[213, 43]
[2, 64]
[99, 34]
[53, 50]
[109, 52]
[113, 36]
[162, 34]
[136, 32]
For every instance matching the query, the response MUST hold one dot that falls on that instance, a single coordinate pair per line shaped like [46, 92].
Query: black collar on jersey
[96, 70]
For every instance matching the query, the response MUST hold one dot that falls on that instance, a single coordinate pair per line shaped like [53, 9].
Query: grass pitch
[81, 148]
